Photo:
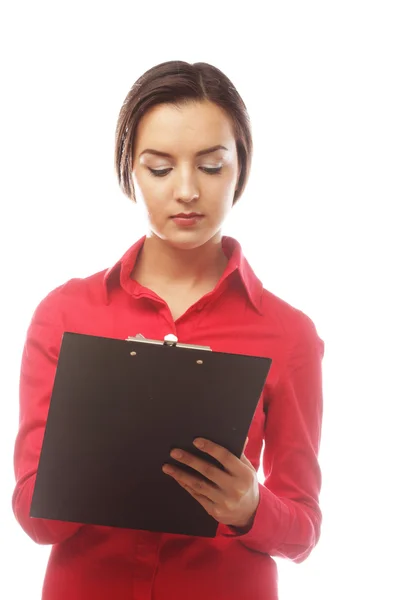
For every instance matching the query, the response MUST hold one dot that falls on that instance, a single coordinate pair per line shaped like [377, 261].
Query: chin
[188, 240]
[190, 243]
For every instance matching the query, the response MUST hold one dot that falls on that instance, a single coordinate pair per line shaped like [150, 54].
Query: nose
[186, 187]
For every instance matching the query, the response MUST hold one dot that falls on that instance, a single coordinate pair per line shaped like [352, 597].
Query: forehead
[198, 124]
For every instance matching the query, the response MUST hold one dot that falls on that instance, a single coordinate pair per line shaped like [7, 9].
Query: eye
[212, 170]
[159, 172]
[164, 172]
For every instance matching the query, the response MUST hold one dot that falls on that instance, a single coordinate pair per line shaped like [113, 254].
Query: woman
[183, 152]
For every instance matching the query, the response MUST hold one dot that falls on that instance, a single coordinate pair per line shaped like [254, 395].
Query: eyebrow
[200, 153]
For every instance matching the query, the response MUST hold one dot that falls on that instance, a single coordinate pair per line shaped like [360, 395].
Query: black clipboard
[117, 409]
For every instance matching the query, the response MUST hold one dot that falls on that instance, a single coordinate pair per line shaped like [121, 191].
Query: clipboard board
[117, 409]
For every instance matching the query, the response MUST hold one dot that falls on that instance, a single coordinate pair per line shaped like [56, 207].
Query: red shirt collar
[237, 262]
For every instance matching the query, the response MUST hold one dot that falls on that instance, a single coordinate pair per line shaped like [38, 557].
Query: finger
[211, 472]
[246, 461]
[212, 508]
[206, 503]
[228, 460]
[199, 486]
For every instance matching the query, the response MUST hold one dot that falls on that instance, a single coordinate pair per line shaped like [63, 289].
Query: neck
[162, 262]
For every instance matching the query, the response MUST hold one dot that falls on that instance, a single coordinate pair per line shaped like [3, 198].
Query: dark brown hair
[177, 82]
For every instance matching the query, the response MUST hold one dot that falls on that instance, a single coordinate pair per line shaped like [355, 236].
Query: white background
[318, 221]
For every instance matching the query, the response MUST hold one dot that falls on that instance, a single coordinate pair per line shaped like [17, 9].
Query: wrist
[245, 526]
[247, 523]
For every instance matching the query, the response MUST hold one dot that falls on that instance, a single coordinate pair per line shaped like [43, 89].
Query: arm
[38, 367]
[288, 519]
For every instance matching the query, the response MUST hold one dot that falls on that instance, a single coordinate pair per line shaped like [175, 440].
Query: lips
[187, 216]
[187, 219]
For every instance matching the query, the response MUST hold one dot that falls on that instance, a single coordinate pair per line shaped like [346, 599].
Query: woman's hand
[230, 497]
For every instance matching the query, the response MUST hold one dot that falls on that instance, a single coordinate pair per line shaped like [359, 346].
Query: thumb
[246, 461]
[244, 458]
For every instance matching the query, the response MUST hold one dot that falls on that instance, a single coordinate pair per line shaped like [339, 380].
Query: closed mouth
[187, 216]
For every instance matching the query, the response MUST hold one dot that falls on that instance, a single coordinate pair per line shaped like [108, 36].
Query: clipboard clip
[169, 340]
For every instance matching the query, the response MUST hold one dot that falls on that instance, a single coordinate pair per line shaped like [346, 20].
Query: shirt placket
[145, 563]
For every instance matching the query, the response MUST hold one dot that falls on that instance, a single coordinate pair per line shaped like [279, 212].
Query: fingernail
[198, 443]
[176, 454]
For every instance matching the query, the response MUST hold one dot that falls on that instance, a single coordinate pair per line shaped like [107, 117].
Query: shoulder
[78, 290]
[289, 322]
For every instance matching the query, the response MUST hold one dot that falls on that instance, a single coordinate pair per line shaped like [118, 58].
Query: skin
[184, 260]
[173, 254]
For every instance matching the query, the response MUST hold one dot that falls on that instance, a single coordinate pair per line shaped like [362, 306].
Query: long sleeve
[38, 367]
[288, 519]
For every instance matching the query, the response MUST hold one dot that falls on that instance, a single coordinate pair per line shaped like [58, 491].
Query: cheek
[220, 190]
[222, 203]
[150, 196]
[145, 184]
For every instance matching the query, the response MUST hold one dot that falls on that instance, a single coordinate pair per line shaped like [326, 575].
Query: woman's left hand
[231, 497]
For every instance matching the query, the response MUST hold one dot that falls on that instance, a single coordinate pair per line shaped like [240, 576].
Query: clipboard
[117, 409]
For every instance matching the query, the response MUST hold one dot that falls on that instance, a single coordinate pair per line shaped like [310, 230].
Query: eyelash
[164, 172]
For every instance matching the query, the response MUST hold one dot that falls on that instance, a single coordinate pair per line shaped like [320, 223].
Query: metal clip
[169, 340]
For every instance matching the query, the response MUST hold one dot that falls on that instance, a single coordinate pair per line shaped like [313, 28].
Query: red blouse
[238, 316]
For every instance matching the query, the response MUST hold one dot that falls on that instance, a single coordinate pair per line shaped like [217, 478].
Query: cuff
[270, 524]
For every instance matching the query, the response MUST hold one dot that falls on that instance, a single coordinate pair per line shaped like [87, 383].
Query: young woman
[183, 151]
